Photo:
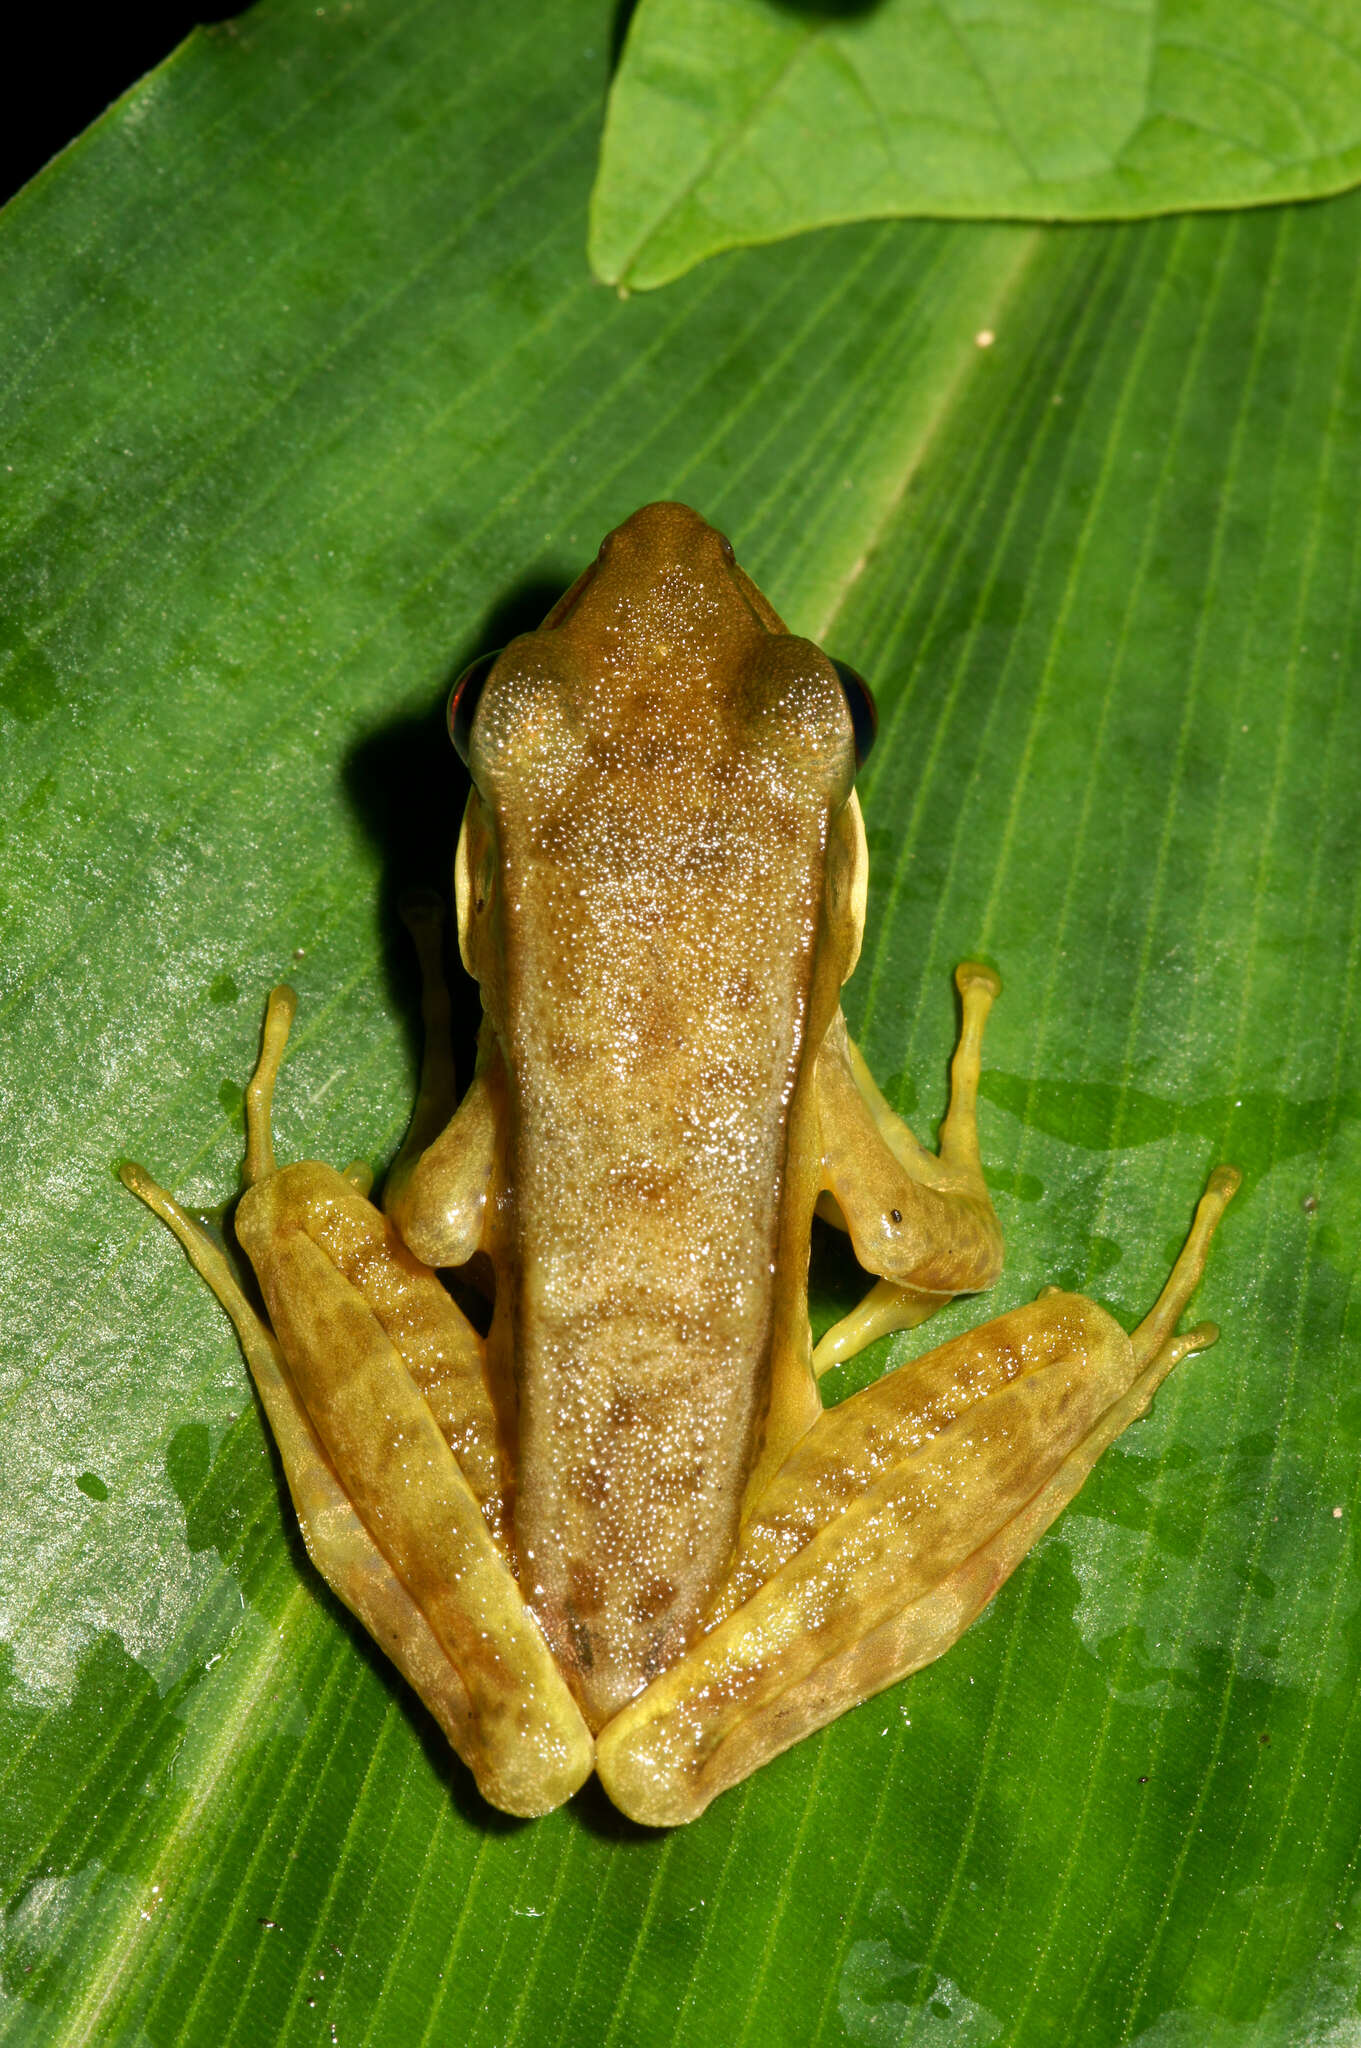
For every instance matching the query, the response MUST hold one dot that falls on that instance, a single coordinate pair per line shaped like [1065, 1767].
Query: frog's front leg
[890, 1526]
[438, 1186]
[923, 1221]
[373, 1385]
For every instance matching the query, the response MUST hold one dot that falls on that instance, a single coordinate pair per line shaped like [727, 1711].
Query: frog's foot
[1155, 1341]
[371, 1382]
[888, 1529]
[921, 1220]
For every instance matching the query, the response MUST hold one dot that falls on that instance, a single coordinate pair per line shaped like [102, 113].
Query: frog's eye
[463, 701]
[860, 703]
[726, 547]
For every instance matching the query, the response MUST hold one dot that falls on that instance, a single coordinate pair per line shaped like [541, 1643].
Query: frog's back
[661, 851]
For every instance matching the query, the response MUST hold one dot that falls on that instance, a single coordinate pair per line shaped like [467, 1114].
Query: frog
[619, 1532]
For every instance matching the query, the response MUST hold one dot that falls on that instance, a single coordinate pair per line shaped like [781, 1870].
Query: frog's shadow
[825, 11]
[407, 788]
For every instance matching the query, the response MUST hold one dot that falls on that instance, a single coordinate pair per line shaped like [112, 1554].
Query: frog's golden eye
[463, 700]
[864, 712]
[727, 547]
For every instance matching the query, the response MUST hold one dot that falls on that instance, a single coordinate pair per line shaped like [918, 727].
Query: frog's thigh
[526, 1744]
[923, 1221]
[887, 1530]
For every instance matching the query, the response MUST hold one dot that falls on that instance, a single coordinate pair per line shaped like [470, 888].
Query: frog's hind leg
[890, 1526]
[924, 1221]
[337, 1541]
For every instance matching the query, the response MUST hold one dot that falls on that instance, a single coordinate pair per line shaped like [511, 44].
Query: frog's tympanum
[621, 1533]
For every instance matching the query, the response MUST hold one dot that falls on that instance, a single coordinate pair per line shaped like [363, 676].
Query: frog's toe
[972, 974]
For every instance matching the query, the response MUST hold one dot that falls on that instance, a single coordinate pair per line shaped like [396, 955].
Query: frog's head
[664, 638]
[664, 721]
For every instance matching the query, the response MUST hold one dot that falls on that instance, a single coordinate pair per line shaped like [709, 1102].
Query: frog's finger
[890, 1527]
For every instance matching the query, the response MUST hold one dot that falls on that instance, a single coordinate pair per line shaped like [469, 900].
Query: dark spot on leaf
[30, 688]
[1104, 1252]
[1254, 1128]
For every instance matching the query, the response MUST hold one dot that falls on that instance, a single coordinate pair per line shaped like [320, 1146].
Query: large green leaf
[310, 396]
[740, 121]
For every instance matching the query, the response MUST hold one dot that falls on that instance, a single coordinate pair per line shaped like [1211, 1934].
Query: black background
[70, 63]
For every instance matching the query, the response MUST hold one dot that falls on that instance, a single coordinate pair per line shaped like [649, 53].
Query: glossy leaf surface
[311, 398]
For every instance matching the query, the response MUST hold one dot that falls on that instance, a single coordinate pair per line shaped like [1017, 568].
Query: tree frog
[621, 1533]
